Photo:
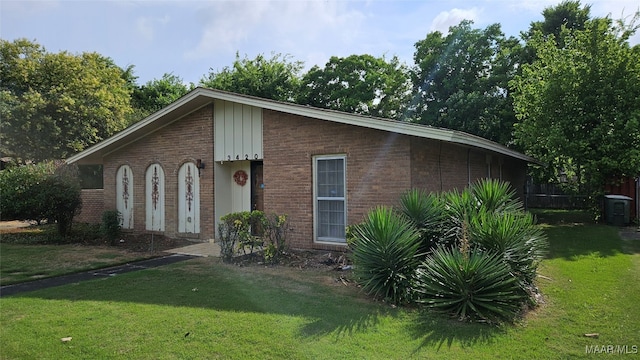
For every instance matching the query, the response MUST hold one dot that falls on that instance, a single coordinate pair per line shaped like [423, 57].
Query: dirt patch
[301, 259]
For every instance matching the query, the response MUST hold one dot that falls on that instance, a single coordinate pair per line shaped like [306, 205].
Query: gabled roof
[200, 97]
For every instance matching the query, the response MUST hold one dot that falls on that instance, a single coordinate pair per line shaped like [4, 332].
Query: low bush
[276, 231]
[426, 213]
[110, 226]
[476, 285]
[385, 254]
[250, 231]
[479, 251]
[41, 192]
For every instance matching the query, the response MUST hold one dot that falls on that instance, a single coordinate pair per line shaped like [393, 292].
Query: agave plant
[473, 286]
[385, 254]
[425, 212]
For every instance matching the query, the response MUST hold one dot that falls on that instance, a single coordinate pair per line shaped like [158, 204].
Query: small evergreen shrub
[426, 213]
[111, 225]
[476, 285]
[250, 231]
[481, 252]
[233, 232]
[276, 231]
[40, 192]
[385, 254]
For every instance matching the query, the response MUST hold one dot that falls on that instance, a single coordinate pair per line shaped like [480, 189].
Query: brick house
[211, 152]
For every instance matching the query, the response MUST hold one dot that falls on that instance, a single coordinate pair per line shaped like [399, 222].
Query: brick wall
[376, 161]
[439, 166]
[188, 139]
[92, 206]
[380, 166]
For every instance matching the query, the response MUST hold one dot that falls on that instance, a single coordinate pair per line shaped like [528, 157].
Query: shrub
[276, 230]
[385, 254]
[39, 192]
[17, 191]
[516, 237]
[233, 230]
[242, 231]
[477, 285]
[426, 213]
[110, 226]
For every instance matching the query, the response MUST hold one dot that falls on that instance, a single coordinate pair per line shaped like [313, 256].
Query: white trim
[316, 198]
[200, 97]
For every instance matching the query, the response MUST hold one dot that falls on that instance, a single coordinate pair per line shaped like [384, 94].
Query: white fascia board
[133, 128]
[396, 126]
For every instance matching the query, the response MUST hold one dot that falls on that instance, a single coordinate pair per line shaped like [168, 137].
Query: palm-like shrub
[494, 195]
[385, 254]
[474, 286]
[425, 212]
[515, 236]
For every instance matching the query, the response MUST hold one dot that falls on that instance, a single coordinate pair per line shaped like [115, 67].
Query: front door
[257, 186]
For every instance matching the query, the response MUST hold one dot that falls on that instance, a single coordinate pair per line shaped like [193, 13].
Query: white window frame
[316, 199]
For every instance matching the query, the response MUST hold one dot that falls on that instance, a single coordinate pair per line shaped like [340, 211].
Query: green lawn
[204, 309]
[20, 262]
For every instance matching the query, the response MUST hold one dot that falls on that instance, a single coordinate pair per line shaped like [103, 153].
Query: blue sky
[187, 38]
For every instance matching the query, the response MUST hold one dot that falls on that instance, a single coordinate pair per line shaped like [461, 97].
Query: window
[330, 206]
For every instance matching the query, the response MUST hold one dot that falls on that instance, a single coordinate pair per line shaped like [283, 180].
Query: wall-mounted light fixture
[199, 165]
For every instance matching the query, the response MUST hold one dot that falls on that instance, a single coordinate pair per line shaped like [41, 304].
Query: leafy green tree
[360, 84]
[461, 81]
[579, 105]
[568, 14]
[158, 93]
[54, 105]
[274, 78]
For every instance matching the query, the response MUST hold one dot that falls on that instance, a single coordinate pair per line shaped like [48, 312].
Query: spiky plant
[425, 212]
[515, 236]
[385, 254]
[477, 287]
[494, 195]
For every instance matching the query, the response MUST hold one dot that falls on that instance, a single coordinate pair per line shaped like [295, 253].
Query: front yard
[203, 308]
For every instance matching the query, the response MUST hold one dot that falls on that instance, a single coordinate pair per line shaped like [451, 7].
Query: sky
[191, 38]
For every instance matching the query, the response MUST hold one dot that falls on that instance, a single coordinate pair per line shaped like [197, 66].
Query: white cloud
[146, 26]
[280, 26]
[446, 19]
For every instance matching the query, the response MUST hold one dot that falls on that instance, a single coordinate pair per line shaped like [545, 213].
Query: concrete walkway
[204, 249]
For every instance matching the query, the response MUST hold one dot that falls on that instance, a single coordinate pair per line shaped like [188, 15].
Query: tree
[359, 84]
[158, 93]
[579, 105]
[568, 14]
[276, 78]
[461, 81]
[54, 105]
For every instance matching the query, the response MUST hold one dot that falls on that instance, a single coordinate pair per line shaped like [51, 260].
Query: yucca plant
[494, 195]
[515, 236]
[475, 286]
[425, 212]
[385, 254]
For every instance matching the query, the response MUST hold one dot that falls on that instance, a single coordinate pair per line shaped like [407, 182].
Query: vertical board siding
[238, 131]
